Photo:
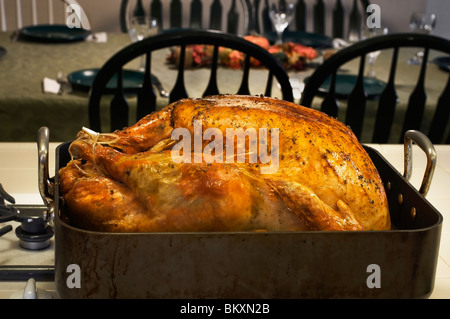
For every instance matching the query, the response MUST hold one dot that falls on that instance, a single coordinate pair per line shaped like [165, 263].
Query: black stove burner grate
[34, 232]
[23, 273]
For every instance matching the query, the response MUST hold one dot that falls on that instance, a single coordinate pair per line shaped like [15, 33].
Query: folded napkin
[50, 86]
[99, 37]
[339, 43]
[59, 86]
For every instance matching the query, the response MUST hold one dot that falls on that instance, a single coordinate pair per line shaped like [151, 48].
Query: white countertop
[19, 177]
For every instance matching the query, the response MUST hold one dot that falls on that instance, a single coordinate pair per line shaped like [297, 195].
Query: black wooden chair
[146, 97]
[356, 14]
[356, 103]
[237, 13]
[260, 21]
[51, 12]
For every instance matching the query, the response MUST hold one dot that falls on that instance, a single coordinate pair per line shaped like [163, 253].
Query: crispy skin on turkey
[324, 179]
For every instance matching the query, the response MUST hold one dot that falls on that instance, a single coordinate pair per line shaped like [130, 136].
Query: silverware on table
[159, 87]
[65, 86]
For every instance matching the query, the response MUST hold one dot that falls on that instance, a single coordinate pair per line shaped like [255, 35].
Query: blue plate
[443, 62]
[346, 82]
[53, 33]
[305, 38]
[82, 80]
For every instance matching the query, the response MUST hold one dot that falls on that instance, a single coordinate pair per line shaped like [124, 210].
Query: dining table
[24, 106]
[19, 177]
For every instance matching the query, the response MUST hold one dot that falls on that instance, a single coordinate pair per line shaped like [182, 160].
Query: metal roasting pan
[399, 263]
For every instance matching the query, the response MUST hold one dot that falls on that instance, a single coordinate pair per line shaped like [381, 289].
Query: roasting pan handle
[46, 186]
[425, 144]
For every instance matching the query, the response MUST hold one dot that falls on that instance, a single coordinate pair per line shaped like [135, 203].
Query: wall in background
[442, 10]
[104, 14]
[395, 14]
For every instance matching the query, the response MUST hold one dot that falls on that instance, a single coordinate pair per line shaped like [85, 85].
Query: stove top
[26, 247]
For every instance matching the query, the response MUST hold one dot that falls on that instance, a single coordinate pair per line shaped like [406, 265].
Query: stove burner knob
[34, 241]
[34, 232]
[31, 292]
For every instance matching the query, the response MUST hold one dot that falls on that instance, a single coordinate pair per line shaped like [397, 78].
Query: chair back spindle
[300, 15]
[215, 21]
[196, 14]
[354, 28]
[417, 100]
[243, 89]
[266, 22]
[255, 16]
[212, 88]
[330, 104]
[386, 105]
[156, 11]
[356, 106]
[232, 19]
[175, 14]
[146, 98]
[179, 90]
[319, 17]
[338, 20]
[139, 10]
[119, 105]
[441, 116]
[268, 91]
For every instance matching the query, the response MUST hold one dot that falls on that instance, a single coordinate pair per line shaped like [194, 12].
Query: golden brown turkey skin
[323, 178]
[163, 196]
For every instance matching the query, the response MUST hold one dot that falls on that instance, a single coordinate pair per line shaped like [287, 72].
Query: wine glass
[281, 14]
[141, 27]
[368, 33]
[421, 22]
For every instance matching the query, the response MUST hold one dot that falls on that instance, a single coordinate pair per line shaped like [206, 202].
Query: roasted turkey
[186, 168]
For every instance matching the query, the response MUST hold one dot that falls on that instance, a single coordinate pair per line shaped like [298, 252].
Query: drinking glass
[421, 22]
[368, 33]
[141, 27]
[281, 14]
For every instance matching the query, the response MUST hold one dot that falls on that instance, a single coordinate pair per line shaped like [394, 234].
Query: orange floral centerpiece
[293, 56]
